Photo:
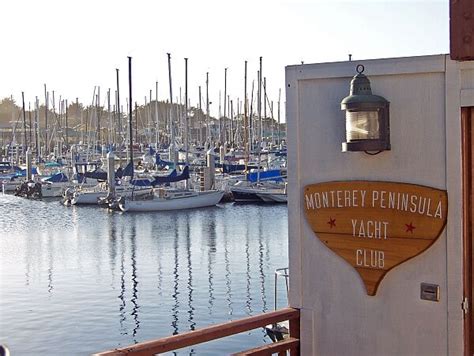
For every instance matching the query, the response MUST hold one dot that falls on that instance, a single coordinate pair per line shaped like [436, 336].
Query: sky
[76, 46]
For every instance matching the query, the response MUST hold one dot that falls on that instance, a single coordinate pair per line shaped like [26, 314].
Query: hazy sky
[73, 46]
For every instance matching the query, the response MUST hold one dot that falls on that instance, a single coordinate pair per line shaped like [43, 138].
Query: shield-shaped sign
[375, 226]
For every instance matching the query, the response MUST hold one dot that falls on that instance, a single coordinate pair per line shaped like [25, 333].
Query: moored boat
[173, 199]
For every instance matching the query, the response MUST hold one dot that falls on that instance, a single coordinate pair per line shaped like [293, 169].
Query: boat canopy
[163, 163]
[97, 174]
[127, 171]
[172, 177]
[141, 182]
[273, 174]
[57, 178]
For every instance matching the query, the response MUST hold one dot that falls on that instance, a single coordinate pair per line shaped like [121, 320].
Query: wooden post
[461, 29]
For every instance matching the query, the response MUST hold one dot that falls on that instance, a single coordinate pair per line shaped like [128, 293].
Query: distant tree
[8, 110]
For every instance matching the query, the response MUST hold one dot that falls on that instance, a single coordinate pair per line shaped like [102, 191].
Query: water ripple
[115, 279]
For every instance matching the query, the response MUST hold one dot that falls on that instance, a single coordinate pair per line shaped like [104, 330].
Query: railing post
[295, 333]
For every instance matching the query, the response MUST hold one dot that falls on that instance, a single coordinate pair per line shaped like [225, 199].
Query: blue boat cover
[172, 177]
[141, 182]
[273, 174]
[162, 163]
[128, 170]
[22, 172]
[229, 168]
[57, 178]
[97, 174]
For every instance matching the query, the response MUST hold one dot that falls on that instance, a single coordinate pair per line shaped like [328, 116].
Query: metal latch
[465, 305]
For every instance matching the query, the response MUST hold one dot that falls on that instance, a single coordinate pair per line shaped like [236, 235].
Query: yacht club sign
[375, 226]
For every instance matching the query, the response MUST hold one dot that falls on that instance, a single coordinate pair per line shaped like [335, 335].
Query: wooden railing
[217, 331]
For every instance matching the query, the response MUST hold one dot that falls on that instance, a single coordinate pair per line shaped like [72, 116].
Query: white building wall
[338, 317]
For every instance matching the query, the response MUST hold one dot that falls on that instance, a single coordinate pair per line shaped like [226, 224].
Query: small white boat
[173, 199]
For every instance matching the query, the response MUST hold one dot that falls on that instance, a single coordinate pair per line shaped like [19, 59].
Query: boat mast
[260, 102]
[251, 121]
[231, 138]
[118, 108]
[110, 135]
[186, 118]
[25, 140]
[130, 108]
[29, 120]
[98, 114]
[172, 149]
[208, 129]
[37, 136]
[186, 124]
[260, 119]
[46, 99]
[67, 134]
[279, 97]
[200, 118]
[224, 126]
[157, 123]
[246, 148]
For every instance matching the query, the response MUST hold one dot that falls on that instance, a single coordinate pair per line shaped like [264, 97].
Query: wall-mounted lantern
[367, 117]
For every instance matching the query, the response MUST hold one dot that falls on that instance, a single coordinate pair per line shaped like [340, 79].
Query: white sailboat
[178, 199]
[173, 199]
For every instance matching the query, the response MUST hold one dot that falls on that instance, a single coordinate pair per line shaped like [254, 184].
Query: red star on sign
[332, 222]
[410, 227]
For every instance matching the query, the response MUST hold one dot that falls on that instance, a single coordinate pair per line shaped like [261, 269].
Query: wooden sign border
[382, 273]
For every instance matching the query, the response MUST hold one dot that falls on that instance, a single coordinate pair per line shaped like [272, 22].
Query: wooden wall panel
[461, 31]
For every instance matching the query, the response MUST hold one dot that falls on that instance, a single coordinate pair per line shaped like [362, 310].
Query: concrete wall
[338, 317]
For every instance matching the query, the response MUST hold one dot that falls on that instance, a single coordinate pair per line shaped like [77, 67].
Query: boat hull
[273, 197]
[93, 197]
[200, 200]
[242, 195]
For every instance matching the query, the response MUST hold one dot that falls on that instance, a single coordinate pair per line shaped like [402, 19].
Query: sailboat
[176, 198]
[173, 199]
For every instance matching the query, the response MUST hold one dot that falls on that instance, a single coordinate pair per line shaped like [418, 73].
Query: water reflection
[261, 250]
[133, 277]
[248, 302]
[191, 308]
[228, 280]
[134, 299]
[122, 305]
[211, 244]
[50, 249]
[112, 234]
[175, 307]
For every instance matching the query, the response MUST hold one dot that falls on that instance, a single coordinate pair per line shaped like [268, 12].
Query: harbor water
[78, 280]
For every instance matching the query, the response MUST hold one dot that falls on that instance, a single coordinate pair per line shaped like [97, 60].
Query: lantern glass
[362, 125]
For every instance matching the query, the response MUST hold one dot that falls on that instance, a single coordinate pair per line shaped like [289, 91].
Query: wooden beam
[198, 336]
[461, 13]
